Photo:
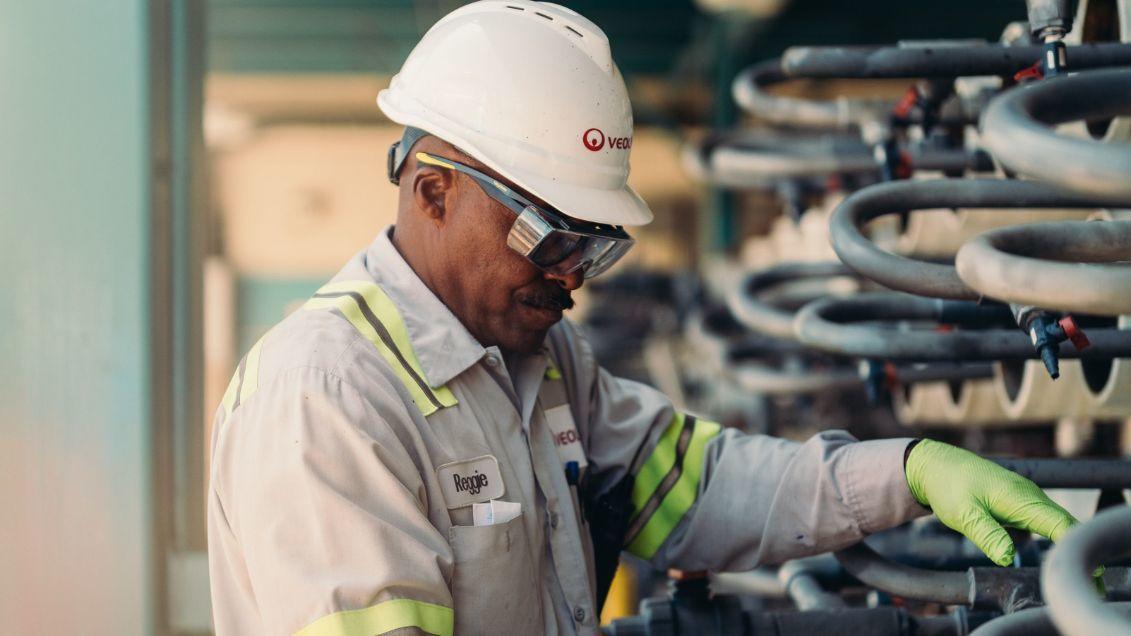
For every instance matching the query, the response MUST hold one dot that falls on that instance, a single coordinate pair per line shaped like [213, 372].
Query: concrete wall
[76, 507]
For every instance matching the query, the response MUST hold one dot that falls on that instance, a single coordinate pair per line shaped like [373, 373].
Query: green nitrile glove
[976, 497]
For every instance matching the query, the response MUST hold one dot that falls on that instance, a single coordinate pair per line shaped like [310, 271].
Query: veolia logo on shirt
[564, 432]
[470, 481]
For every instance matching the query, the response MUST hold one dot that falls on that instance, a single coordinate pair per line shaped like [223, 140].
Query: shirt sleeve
[318, 517]
[714, 499]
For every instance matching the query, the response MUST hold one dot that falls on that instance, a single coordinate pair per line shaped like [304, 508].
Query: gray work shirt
[359, 432]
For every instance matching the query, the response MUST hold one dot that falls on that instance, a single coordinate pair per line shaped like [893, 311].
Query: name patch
[470, 481]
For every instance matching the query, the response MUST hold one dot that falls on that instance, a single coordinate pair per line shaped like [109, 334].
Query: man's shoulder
[321, 341]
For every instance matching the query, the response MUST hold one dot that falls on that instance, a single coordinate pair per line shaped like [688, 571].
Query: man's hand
[976, 497]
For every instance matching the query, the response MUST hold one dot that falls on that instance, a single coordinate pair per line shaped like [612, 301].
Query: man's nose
[570, 281]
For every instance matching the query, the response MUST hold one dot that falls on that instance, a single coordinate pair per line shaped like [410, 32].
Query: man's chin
[537, 318]
[523, 341]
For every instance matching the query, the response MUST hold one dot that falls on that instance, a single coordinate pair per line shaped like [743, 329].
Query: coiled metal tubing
[1066, 577]
[768, 318]
[748, 160]
[1081, 266]
[827, 325]
[1017, 129]
[1034, 621]
[961, 58]
[750, 93]
[920, 277]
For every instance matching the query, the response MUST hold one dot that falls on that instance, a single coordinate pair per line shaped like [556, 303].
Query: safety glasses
[552, 242]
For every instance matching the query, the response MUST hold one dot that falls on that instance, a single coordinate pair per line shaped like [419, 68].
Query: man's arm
[317, 518]
[704, 498]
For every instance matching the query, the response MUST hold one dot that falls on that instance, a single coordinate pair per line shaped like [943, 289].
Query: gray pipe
[861, 561]
[748, 161]
[799, 580]
[1066, 578]
[1072, 473]
[1068, 266]
[1017, 130]
[956, 59]
[763, 317]
[749, 91]
[762, 582]
[918, 277]
[821, 325]
[1034, 621]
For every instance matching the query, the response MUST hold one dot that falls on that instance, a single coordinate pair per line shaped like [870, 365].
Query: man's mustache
[553, 298]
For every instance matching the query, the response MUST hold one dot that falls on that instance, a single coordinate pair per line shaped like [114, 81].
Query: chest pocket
[494, 586]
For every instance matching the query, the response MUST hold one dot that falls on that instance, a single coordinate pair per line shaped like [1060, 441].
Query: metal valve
[1050, 21]
[1047, 330]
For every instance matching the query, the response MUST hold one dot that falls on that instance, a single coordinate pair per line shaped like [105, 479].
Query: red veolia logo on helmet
[595, 140]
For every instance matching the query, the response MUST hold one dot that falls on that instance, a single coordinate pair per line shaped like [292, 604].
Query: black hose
[919, 277]
[1072, 473]
[861, 561]
[1017, 129]
[822, 325]
[962, 59]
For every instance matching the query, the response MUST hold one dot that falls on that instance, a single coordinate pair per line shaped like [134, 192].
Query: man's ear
[430, 189]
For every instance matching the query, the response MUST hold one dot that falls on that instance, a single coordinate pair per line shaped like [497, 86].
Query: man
[426, 446]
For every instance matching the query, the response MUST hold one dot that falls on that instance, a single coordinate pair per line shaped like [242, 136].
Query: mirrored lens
[556, 247]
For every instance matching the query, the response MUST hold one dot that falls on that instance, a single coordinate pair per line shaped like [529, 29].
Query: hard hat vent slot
[516, 8]
[544, 15]
[574, 31]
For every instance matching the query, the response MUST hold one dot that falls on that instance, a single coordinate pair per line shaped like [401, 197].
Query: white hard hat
[531, 90]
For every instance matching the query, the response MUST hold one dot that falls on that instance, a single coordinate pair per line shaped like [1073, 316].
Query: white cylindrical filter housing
[1028, 394]
[939, 233]
[922, 404]
[1106, 384]
[975, 403]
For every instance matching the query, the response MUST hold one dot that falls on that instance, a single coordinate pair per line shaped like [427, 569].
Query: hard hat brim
[619, 206]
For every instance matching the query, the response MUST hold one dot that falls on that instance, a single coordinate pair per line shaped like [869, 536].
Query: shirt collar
[442, 344]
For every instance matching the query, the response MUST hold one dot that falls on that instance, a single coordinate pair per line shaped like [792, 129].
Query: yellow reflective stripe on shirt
[229, 401]
[251, 371]
[667, 485]
[244, 381]
[372, 313]
[384, 617]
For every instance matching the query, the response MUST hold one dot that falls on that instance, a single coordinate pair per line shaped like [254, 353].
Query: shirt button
[492, 361]
[579, 614]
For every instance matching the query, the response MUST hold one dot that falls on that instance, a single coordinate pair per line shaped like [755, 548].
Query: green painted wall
[75, 440]
[263, 302]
